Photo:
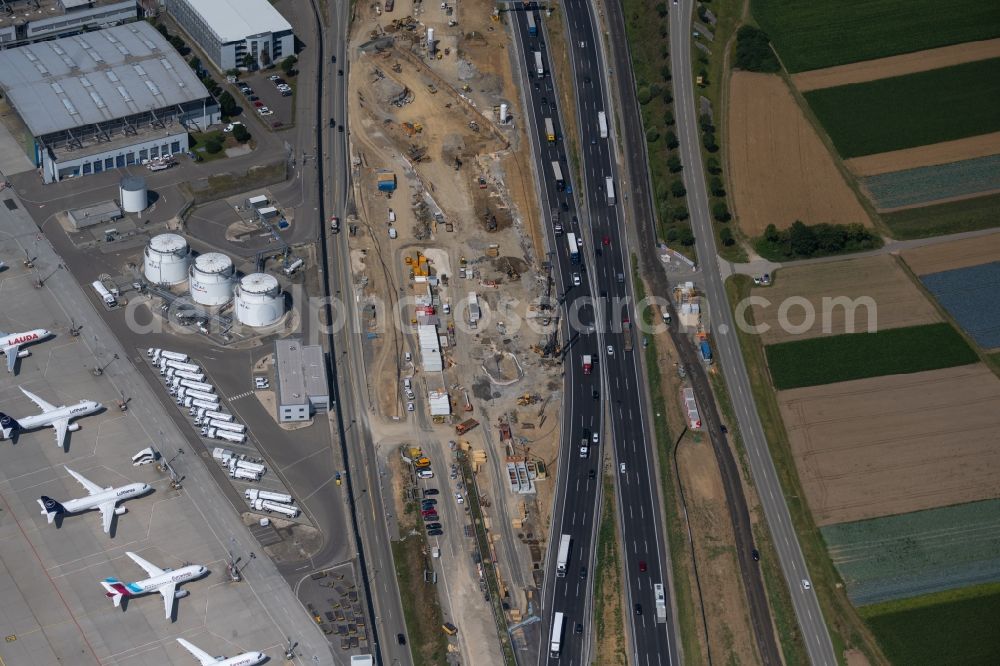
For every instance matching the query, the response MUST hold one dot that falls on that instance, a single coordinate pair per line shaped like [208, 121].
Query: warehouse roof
[95, 77]
[235, 20]
[301, 372]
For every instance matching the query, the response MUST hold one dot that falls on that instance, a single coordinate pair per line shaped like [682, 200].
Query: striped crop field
[970, 295]
[922, 185]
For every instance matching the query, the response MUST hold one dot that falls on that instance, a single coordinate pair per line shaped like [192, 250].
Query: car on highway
[579, 628]
[606, 241]
[583, 572]
[459, 498]
[435, 532]
[642, 566]
[407, 357]
[595, 393]
[621, 468]
[409, 406]
[400, 638]
[425, 474]
[592, 474]
[638, 609]
[806, 585]
[584, 451]
[576, 279]
[611, 350]
[410, 395]
[430, 491]
[755, 554]
[595, 438]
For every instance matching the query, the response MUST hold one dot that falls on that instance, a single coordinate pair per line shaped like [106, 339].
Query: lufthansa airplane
[205, 659]
[105, 499]
[57, 417]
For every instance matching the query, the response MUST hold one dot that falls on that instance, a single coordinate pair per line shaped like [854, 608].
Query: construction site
[458, 312]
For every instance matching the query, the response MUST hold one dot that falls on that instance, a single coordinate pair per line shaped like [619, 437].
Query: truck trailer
[602, 124]
[275, 507]
[558, 175]
[227, 425]
[550, 131]
[539, 68]
[244, 474]
[105, 295]
[609, 187]
[213, 414]
[588, 364]
[254, 494]
[180, 365]
[203, 387]
[213, 433]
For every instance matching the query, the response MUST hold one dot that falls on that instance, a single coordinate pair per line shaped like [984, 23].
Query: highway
[727, 350]
[603, 269]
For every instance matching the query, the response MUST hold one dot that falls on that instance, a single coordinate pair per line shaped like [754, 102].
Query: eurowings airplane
[105, 499]
[57, 417]
[164, 581]
[245, 659]
[10, 344]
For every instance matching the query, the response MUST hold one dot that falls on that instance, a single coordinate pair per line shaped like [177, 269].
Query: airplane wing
[61, 426]
[11, 353]
[203, 657]
[150, 568]
[92, 488]
[167, 592]
[42, 405]
[107, 512]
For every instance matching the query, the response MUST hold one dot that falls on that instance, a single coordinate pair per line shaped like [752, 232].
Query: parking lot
[265, 94]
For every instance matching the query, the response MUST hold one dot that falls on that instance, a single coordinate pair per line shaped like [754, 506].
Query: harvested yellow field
[930, 155]
[888, 445]
[780, 171]
[908, 63]
[956, 254]
[896, 300]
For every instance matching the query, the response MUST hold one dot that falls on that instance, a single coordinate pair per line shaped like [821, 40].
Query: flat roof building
[104, 99]
[230, 30]
[26, 21]
[303, 387]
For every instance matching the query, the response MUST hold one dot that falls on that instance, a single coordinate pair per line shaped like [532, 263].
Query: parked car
[425, 474]
[433, 526]
[435, 533]
[459, 498]
[258, 104]
[430, 491]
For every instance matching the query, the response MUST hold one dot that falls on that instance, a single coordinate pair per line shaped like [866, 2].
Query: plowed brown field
[931, 155]
[956, 254]
[908, 63]
[780, 171]
[876, 447]
[897, 301]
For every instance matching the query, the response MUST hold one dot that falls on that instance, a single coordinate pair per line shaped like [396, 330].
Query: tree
[677, 189]
[668, 117]
[708, 140]
[705, 122]
[802, 239]
[249, 62]
[712, 164]
[163, 30]
[686, 236]
[771, 234]
[232, 72]
[643, 96]
[227, 105]
[716, 187]
[652, 135]
[240, 133]
[665, 72]
[195, 63]
[213, 145]
[655, 90]
[661, 9]
[672, 141]
[667, 96]
[680, 213]
[288, 65]
[753, 51]
[726, 236]
[672, 234]
[720, 212]
[674, 164]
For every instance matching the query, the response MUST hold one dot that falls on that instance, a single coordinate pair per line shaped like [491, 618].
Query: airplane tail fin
[114, 590]
[51, 508]
[8, 425]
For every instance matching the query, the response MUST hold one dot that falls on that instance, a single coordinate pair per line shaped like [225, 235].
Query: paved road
[605, 273]
[727, 350]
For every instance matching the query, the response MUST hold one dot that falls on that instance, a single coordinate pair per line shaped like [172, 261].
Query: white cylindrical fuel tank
[258, 300]
[212, 279]
[166, 259]
[133, 195]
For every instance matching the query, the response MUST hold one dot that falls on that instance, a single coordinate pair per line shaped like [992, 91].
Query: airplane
[105, 499]
[57, 417]
[245, 659]
[10, 344]
[164, 581]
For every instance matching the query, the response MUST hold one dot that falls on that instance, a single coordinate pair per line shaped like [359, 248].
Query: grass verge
[953, 627]
[911, 110]
[609, 624]
[850, 356]
[823, 33]
[945, 218]
[226, 184]
[680, 557]
[847, 631]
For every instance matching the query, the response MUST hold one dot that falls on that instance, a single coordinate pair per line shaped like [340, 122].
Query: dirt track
[957, 254]
[780, 171]
[936, 153]
[908, 63]
[877, 447]
[898, 302]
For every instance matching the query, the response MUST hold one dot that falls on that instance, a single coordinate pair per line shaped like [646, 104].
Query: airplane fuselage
[25, 338]
[177, 576]
[245, 659]
[81, 408]
[112, 494]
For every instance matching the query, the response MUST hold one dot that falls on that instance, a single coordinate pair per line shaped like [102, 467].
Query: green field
[912, 110]
[945, 218]
[840, 358]
[810, 34]
[954, 627]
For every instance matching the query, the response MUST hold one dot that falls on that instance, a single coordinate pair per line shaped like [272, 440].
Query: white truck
[254, 494]
[203, 387]
[183, 393]
[191, 403]
[184, 374]
[157, 354]
[252, 466]
[213, 414]
[602, 124]
[661, 603]
[180, 365]
[212, 433]
[609, 187]
[105, 295]
[271, 507]
[539, 68]
[222, 456]
[226, 425]
[244, 474]
[562, 558]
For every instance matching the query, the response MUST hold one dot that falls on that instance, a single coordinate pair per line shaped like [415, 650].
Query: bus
[562, 559]
[555, 641]
[550, 131]
[557, 172]
[532, 26]
[574, 249]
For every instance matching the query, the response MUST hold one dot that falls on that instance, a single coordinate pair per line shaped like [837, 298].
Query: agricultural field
[824, 33]
[780, 170]
[908, 63]
[892, 445]
[898, 301]
[917, 553]
[936, 153]
[914, 187]
[841, 358]
[911, 110]
[954, 627]
[945, 218]
[956, 254]
[972, 296]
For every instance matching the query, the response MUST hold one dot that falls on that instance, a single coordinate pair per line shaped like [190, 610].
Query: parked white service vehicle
[104, 499]
[275, 507]
[57, 417]
[164, 581]
[205, 659]
[255, 494]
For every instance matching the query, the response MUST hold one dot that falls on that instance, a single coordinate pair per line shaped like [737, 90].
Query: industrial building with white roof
[229, 30]
[104, 99]
[303, 387]
[27, 21]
